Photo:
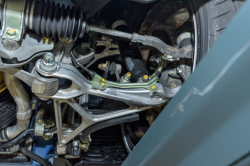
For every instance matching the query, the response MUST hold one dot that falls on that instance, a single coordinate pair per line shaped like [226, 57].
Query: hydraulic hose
[16, 139]
[91, 73]
[51, 129]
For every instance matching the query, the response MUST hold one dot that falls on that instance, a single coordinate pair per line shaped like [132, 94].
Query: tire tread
[220, 14]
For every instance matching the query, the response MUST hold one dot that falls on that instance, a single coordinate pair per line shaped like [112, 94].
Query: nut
[11, 32]
[47, 40]
[49, 58]
[75, 145]
[40, 122]
[84, 147]
[49, 124]
[46, 138]
[126, 77]
[48, 63]
[66, 40]
[145, 78]
[37, 87]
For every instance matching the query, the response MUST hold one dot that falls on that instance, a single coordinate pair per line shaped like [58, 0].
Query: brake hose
[91, 73]
[16, 139]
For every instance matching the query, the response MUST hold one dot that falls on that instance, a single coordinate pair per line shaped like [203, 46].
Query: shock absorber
[52, 20]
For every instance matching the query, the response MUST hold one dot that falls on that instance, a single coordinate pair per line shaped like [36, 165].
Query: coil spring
[52, 20]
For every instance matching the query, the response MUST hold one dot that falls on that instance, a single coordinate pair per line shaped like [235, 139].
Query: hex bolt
[66, 40]
[46, 138]
[126, 78]
[49, 58]
[75, 145]
[40, 122]
[145, 78]
[83, 146]
[47, 40]
[48, 63]
[153, 87]
[48, 124]
[11, 32]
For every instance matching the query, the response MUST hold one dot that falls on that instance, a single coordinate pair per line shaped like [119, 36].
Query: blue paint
[42, 148]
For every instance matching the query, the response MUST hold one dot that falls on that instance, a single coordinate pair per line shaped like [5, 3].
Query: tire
[212, 18]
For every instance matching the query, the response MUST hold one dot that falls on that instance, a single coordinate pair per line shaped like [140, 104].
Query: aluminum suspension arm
[87, 119]
[138, 99]
[80, 85]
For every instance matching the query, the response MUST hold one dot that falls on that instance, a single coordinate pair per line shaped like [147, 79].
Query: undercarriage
[82, 81]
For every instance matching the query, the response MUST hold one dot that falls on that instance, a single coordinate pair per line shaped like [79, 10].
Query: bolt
[48, 124]
[48, 62]
[46, 138]
[66, 40]
[49, 58]
[126, 77]
[153, 87]
[47, 40]
[102, 84]
[145, 78]
[75, 145]
[103, 79]
[83, 146]
[11, 32]
[40, 122]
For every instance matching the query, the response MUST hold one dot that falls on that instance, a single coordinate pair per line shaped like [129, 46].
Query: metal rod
[143, 39]
[195, 42]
